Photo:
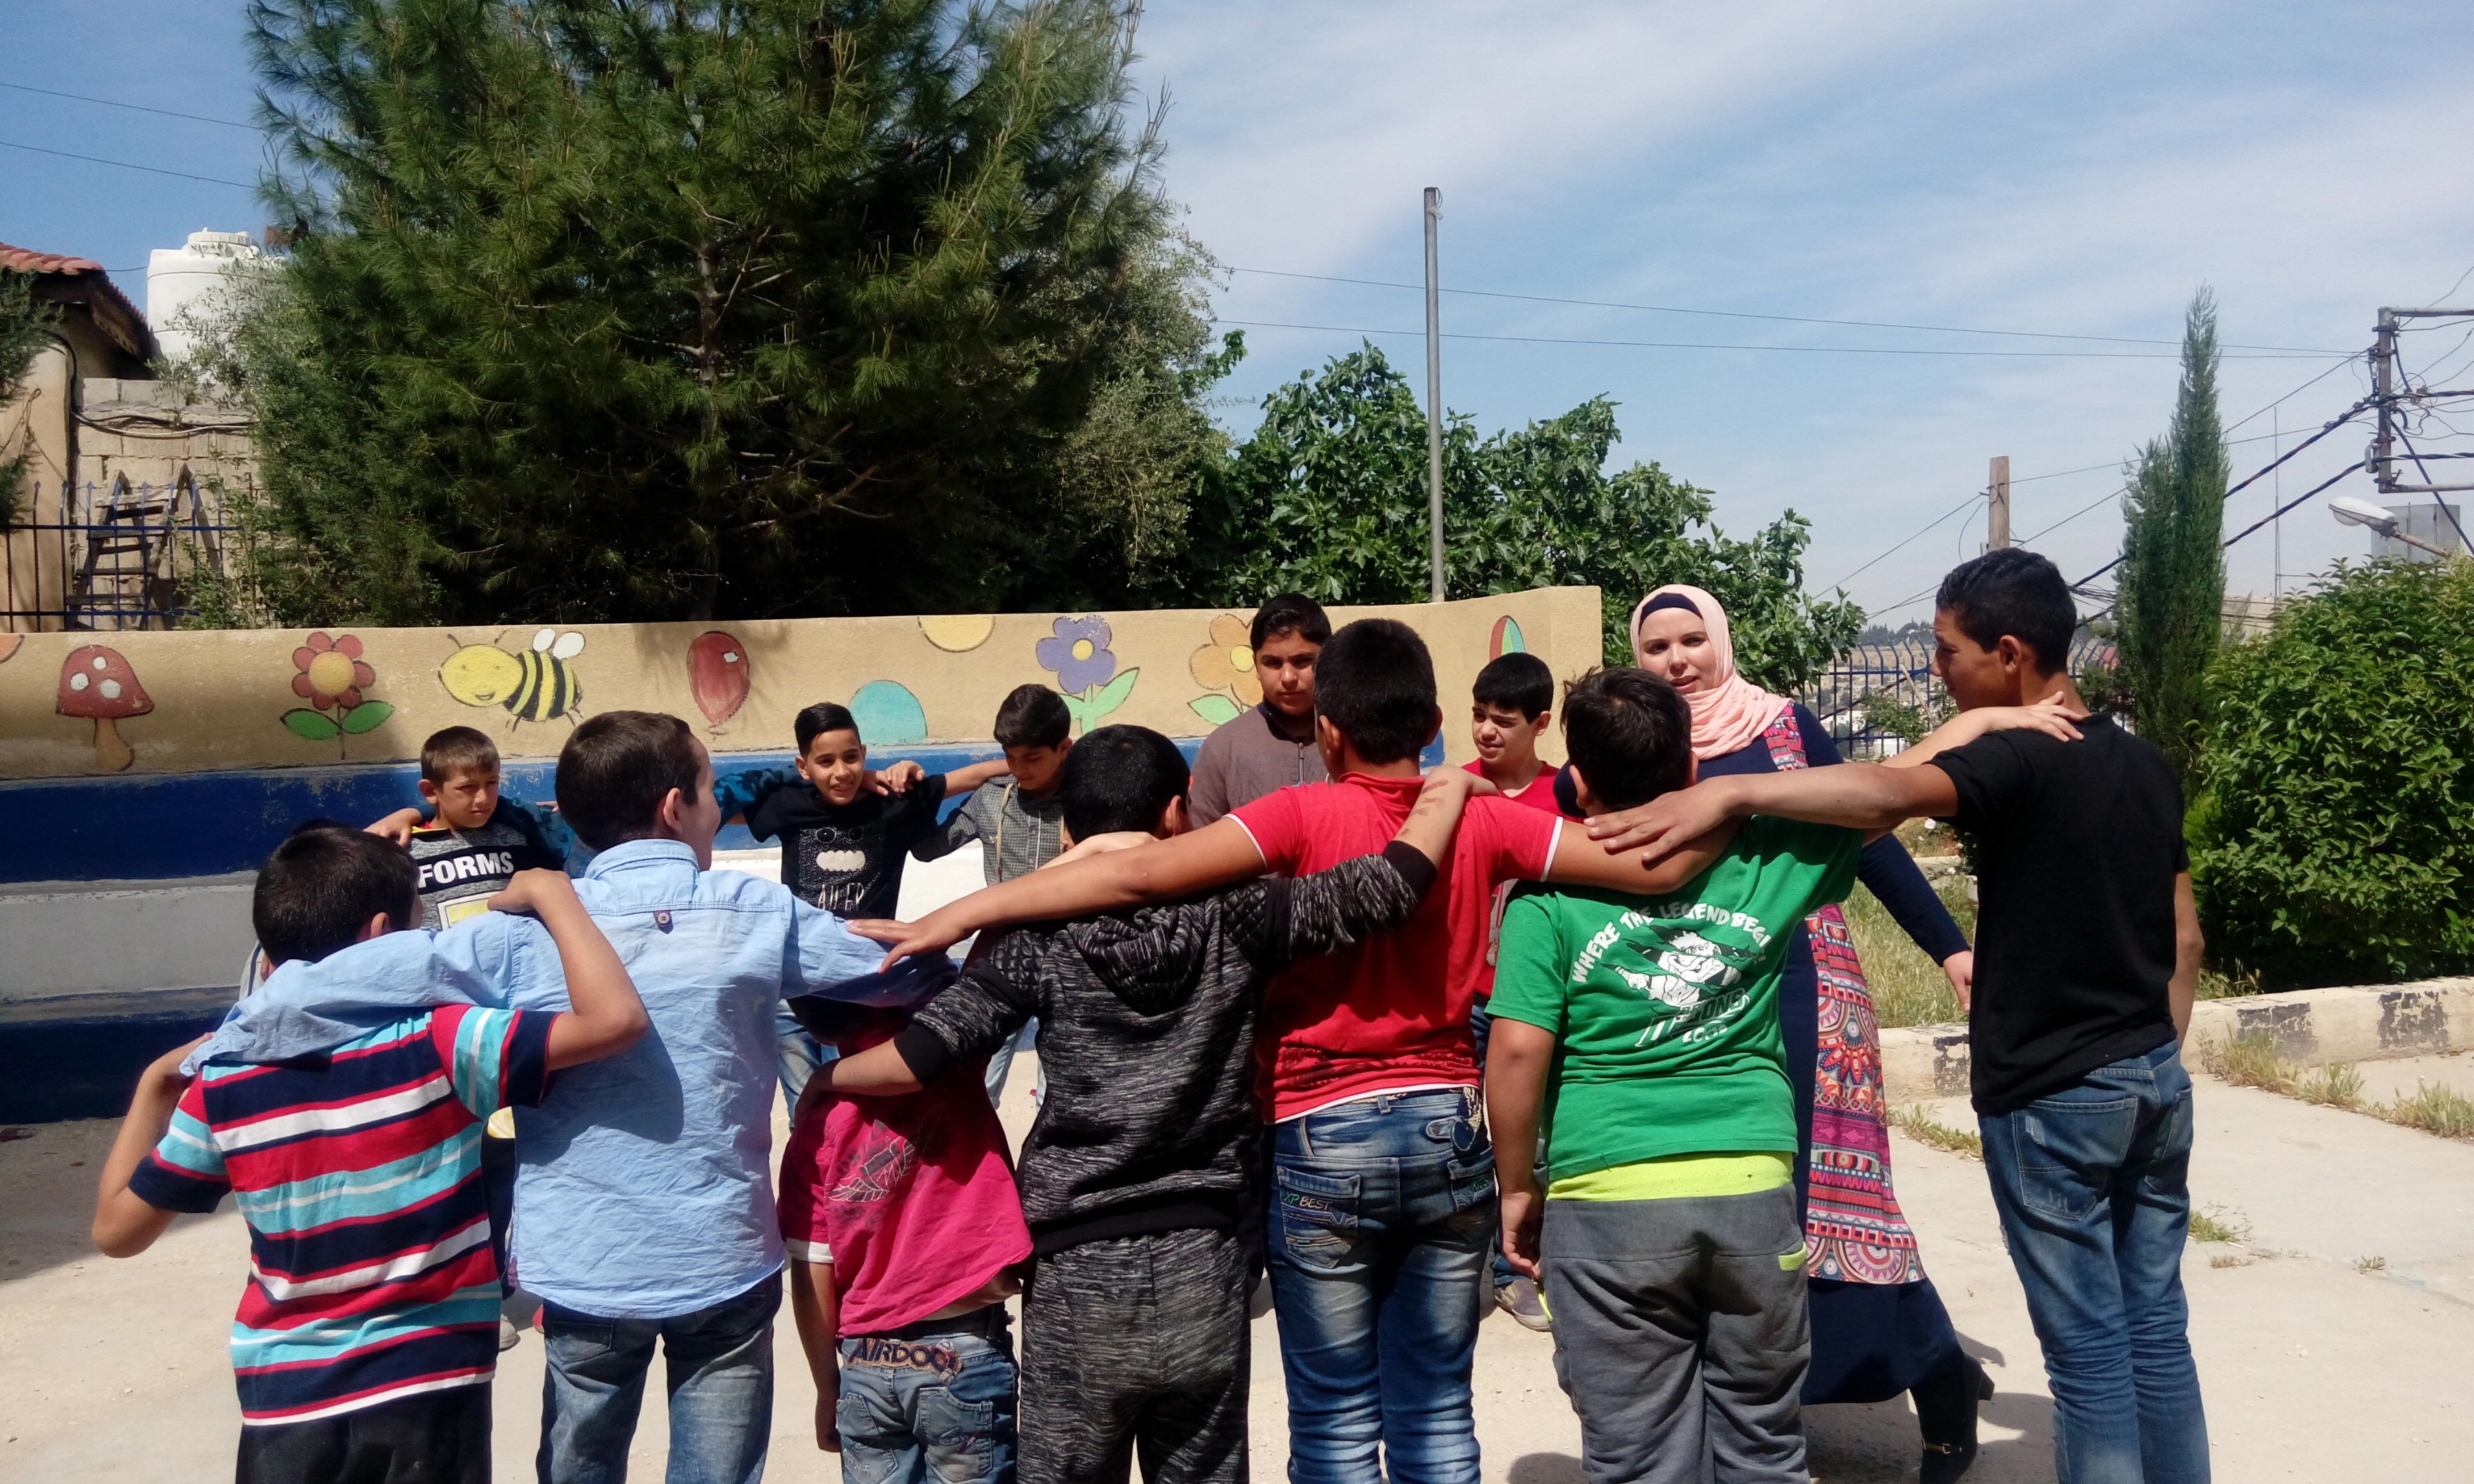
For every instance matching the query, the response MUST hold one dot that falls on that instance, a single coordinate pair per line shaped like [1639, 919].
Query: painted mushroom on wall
[98, 686]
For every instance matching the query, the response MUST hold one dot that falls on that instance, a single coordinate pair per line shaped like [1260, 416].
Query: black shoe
[1946, 1416]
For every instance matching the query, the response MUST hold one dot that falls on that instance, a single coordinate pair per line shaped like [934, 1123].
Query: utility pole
[2389, 396]
[1996, 504]
[1434, 400]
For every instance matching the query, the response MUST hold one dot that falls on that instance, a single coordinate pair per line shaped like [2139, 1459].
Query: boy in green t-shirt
[1649, 1030]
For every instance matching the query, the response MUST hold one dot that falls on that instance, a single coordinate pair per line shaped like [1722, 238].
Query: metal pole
[1434, 400]
[2384, 388]
[1996, 504]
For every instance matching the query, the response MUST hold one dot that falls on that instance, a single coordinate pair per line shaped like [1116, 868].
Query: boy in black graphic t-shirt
[477, 839]
[843, 842]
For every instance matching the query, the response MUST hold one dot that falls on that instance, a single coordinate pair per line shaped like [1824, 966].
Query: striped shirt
[360, 1174]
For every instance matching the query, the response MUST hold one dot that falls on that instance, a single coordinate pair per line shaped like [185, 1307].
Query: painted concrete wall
[184, 703]
[135, 881]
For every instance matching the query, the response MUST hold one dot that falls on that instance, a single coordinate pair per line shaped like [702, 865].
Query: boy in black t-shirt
[844, 831]
[2087, 953]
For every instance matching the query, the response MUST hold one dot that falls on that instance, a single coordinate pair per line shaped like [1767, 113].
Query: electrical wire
[1735, 314]
[97, 159]
[1964, 505]
[1681, 345]
[114, 103]
[2074, 516]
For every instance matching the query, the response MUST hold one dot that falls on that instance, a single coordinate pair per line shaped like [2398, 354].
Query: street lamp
[2356, 512]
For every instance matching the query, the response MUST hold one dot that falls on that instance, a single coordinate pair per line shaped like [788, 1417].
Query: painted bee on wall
[535, 684]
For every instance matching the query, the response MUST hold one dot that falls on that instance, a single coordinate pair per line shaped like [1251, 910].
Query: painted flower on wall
[331, 672]
[1077, 653]
[1227, 661]
[328, 672]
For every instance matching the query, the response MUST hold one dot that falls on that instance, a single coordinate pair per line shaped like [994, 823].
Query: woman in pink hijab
[1879, 1328]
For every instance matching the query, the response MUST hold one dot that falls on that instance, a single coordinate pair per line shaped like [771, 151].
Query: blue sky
[2073, 170]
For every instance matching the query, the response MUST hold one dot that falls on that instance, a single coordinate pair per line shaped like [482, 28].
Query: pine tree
[689, 308]
[2172, 597]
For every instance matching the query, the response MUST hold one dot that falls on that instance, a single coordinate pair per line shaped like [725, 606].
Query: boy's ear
[1065, 747]
[380, 925]
[671, 817]
[1581, 789]
[1437, 729]
[1173, 820]
[429, 792]
[1691, 770]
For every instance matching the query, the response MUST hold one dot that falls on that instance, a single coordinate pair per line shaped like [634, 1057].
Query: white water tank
[177, 278]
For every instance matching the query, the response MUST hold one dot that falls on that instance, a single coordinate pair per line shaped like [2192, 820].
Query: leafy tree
[25, 329]
[1328, 497]
[2172, 592]
[685, 308]
[2333, 833]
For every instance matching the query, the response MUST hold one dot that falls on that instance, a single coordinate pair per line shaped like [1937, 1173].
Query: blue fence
[111, 557]
[1860, 697]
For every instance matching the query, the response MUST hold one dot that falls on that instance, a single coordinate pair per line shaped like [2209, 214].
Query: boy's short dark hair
[1291, 612]
[1120, 778]
[1630, 735]
[323, 883]
[617, 769]
[1033, 715]
[2017, 592]
[1518, 681]
[1376, 684]
[453, 749]
[824, 717]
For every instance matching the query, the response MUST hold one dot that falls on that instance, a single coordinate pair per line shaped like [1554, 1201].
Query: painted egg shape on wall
[717, 674]
[888, 714]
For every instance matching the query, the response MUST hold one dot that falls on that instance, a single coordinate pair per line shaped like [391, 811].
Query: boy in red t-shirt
[904, 1231]
[1384, 1197]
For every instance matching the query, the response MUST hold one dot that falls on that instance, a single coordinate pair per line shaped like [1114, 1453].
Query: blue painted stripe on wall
[148, 827]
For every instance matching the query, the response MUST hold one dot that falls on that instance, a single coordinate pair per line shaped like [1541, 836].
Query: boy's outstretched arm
[961, 780]
[1617, 868]
[1858, 795]
[397, 826]
[2052, 716]
[1518, 1057]
[1219, 854]
[605, 1016]
[124, 1225]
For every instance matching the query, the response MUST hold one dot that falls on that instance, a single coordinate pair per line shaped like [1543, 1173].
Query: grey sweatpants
[1681, 1335]
[1136, 1344]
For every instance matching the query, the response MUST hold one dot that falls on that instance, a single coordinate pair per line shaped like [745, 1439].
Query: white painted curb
[2367, 1023]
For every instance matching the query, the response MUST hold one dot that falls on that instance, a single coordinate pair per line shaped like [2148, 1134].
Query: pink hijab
[1727, 716]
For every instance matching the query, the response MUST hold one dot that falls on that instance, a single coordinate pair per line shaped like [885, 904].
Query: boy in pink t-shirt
[1383, 1202]
[904, 1231]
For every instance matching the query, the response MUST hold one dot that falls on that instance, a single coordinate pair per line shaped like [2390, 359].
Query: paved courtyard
[2332, 1342]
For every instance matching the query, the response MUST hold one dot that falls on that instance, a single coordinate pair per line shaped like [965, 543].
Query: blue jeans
[718, 1365]
[1381, 1213]
[2093, 1185]
[1000, 1060]
[934, 1400]
[1481, 1026]
[797, 1055]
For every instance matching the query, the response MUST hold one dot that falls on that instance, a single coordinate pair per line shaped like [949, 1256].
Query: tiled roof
[111, 309]
[26, 260]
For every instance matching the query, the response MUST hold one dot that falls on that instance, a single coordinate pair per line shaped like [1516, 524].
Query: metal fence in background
[111, 557]
[1877, 685]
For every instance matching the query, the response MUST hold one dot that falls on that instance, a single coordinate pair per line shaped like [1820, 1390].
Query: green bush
[2333, 831]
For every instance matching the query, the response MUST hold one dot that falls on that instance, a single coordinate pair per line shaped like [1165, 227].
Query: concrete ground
[2318, 1364]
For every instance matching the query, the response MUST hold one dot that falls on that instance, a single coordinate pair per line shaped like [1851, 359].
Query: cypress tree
[641, 309]
[2172, 597]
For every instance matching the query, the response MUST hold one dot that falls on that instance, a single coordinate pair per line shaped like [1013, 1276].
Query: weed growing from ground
[2251, 1062]
[2439, 1109]
[2210, 1226]
[2371, 1265]
[1917, 1122]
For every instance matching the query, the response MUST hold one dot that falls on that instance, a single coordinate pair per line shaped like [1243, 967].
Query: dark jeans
[1136, 1347]
[1381, 1210]
[934, 1400]
[1680, 1335]
[2093, 1186]
[718, 1365]
[437, 1437]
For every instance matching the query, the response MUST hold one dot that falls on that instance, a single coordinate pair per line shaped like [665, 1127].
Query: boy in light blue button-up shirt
[645, 1211]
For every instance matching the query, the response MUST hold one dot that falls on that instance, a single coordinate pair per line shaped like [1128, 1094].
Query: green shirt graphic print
[1664, 1012]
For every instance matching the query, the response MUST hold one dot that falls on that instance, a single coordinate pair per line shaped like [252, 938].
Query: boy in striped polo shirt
[368, 1333]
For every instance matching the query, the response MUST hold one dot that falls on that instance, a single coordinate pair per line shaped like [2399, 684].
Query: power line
[1967, 504]
[1736, 314]
[2075, 515]
[1685, 345]
[114, 103]
[97, 159]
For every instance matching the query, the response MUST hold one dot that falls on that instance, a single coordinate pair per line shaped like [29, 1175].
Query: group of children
[1260, 1044]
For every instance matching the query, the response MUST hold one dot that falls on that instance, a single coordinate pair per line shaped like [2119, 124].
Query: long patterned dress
[1877, 1325]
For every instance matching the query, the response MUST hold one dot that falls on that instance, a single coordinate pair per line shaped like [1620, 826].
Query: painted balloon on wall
[717, 674]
